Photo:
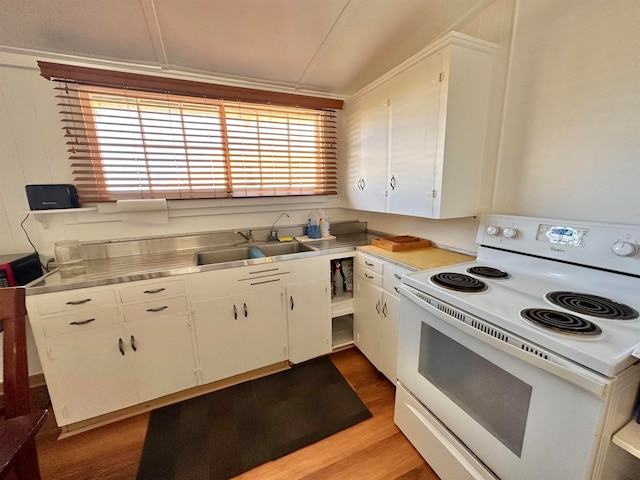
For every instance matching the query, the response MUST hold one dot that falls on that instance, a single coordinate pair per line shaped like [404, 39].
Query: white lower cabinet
[308, 320]
[376, 312]
[87, 375]
[97, 358]
[106, 348]
[240, 333]
[161, 354]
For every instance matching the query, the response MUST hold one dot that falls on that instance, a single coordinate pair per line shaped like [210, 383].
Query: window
[129, 143]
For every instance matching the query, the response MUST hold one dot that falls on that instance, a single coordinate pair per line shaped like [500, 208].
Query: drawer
[70, 301]
[391, 277]
[370, 277]
[148, 291]
[370, 263]
[154, 308]
[78, 322]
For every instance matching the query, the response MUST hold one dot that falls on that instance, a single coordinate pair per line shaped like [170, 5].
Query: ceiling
[332, 47]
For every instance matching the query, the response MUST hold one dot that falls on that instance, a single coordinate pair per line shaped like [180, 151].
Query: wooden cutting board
[402, 242]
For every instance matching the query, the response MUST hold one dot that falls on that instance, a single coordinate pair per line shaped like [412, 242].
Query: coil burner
[594, 305]
[487, 272]
[459, 282]
[560, 321]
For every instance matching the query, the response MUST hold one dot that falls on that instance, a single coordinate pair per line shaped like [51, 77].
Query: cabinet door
[389, 335]
[366, 320]
[264, 327]
[220, 337]
[414, 112]
[374, 144]
[88, 375]
[308, 320]
[162, 355]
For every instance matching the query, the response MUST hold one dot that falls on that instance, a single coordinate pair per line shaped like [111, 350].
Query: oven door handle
[509, 343]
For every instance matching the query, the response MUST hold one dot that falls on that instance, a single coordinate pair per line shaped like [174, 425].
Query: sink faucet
[273, 234]
[247, 236]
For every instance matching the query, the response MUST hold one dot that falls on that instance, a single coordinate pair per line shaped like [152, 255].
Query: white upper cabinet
[416, 138]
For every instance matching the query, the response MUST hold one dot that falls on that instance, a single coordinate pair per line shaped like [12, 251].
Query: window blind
[128, 143]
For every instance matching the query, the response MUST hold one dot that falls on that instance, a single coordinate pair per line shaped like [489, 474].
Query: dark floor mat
[222, 434]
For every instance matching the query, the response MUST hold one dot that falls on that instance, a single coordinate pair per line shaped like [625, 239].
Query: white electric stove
[543, 328]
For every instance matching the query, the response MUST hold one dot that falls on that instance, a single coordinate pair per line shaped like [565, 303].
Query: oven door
[522, 412]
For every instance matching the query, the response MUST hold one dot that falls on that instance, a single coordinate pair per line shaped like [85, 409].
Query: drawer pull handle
[158, 309]
[245, 310]
[368, 276]
[82, 322]
[78, 302]
[397, 276]
[133, 343]
[235, 312]
[368, 264]
[121, 346]
[157, 290]
[291, 300]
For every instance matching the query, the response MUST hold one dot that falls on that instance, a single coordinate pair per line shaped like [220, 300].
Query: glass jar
[70, 258]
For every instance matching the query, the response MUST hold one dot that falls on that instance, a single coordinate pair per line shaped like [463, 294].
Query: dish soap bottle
[338, 281]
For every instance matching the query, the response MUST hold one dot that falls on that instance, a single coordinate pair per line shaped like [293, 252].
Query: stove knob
[624, 248]
[493, 230]
[511, 232]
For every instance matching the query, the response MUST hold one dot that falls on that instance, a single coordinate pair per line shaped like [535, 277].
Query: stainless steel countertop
[107, 271]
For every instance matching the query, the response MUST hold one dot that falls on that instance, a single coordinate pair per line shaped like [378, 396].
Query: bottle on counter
[338, 281]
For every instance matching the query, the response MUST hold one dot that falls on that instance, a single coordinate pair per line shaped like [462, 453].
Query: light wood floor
[372, 450]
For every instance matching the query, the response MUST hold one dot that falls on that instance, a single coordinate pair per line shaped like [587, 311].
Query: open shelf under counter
[342, 331]
[628, 438]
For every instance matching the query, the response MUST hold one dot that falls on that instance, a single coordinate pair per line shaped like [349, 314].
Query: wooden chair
[18, 454]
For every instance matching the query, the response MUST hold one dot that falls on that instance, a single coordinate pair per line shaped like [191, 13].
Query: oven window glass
[493, 397]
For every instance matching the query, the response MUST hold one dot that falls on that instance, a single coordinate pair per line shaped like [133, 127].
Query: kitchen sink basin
[274, 249]
[226, 255]
[233, 254]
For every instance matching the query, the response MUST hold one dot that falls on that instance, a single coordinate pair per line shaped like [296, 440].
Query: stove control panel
[610, 246]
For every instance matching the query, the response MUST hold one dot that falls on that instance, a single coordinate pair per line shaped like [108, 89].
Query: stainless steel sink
[274, 249]
[233, 254]
[220, 256]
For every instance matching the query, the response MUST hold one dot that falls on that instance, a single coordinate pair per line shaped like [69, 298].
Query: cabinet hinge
[197, 374]
[432, 193]
[441, 77]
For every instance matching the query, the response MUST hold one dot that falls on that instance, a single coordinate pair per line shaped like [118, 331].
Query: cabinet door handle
[78, 302]
[246, 312]
[82, 322]
[378, 307]
[157, 309]
[392, 183]
[384, 310]
[133, 343]
[368, 264]
[363, 183]
[367, 275]
[396, 289]
[291, 301]
[121, 346]
[157, 290]
[235, 312]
